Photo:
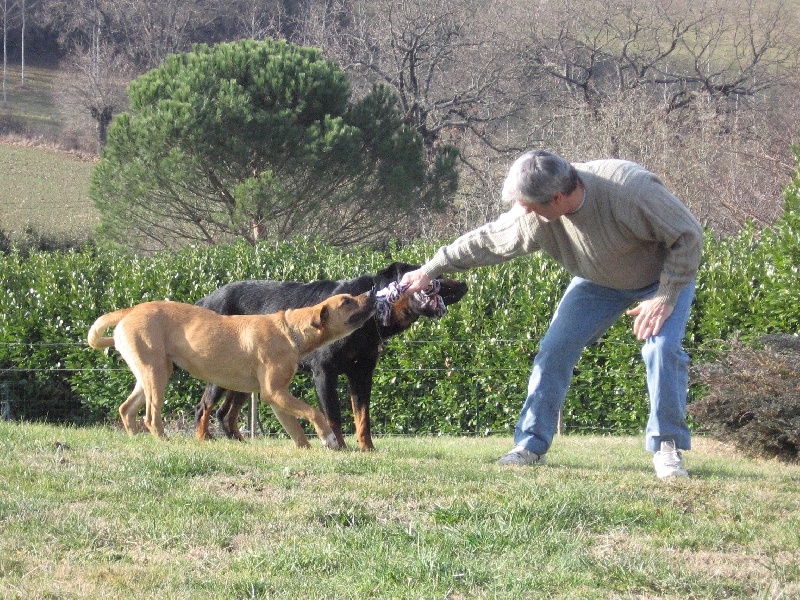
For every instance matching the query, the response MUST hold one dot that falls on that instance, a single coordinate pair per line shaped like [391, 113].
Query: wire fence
[22, 387]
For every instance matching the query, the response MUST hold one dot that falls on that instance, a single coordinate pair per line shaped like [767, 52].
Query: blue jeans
[584, 314]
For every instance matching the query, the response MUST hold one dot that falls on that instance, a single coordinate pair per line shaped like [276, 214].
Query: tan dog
[247, 353]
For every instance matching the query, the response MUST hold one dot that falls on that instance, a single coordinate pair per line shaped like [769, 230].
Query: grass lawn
[42, 188]
[91, 513]
[34, 104]
[45, 189]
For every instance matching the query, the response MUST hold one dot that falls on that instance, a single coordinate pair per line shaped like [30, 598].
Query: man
[626, 239]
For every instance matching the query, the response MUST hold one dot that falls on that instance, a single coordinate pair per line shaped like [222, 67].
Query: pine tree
[261, 140]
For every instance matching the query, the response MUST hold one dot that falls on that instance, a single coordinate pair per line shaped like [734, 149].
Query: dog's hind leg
[130, 408]
[156, 377]
[228, 414]
[360, 393]
[361, 419]
[202, 412]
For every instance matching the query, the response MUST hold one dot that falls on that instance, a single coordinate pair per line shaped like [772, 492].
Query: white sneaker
[520, 456]
[668, 461]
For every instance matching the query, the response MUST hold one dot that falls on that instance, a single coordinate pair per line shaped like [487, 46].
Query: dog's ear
[321, 317]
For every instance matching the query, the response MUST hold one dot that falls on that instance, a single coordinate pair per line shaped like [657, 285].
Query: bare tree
[455, 68]
[685, 88]
[739, 49]
[452, 72]
[149, 31]
[259, 19]
[6, 19]
[724, 49]
[23, 17]
[93, 84]
[144, 30]
[25, 7]
[81, 23]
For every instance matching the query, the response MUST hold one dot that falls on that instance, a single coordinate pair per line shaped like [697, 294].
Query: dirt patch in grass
[755, 571]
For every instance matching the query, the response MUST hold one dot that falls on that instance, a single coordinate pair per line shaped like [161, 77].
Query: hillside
[704, 96]
[44, 189]
[32, 109]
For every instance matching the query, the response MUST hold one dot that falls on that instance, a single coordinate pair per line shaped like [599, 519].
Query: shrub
[753, 398]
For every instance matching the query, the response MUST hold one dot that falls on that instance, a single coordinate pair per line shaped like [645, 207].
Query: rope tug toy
[428, 300]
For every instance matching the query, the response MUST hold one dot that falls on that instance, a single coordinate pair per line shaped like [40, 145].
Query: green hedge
[466, 372]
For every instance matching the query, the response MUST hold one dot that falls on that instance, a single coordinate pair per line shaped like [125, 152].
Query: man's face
[552, 211]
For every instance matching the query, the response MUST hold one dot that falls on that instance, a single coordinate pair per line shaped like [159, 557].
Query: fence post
[5, 402]
[477, 408]
[253, 410]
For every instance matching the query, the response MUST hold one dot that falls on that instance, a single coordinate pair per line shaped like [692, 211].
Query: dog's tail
[96, 338]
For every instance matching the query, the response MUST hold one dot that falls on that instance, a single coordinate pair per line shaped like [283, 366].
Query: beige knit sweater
[630, 233]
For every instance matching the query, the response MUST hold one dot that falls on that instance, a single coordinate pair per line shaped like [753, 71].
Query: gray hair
[537, 176]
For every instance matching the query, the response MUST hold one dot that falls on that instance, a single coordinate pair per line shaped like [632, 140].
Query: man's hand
[650, 316]
[416, 281]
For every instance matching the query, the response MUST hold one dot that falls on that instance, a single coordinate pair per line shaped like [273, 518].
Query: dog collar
[296, 340]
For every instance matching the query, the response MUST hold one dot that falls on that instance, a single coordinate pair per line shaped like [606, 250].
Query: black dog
[355, 356]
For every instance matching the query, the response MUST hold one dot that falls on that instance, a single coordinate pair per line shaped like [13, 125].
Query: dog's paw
[330, 442]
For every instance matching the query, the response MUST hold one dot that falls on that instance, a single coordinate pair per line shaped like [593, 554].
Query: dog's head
[342, 314]
[393, 272]
[452, 290]
[405, 311]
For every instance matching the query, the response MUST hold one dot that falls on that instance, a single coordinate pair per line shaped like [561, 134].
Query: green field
[45, 189]
[91, 513]
[32, 106]
[42, 188]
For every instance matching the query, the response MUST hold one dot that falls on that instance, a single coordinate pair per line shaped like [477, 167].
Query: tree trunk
[103, 117]
[22, 67]
[5, 58]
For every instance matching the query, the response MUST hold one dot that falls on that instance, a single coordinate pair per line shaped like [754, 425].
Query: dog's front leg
[282, 400]
[292, 427]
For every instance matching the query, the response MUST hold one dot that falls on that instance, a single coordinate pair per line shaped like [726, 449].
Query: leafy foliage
[260, 140]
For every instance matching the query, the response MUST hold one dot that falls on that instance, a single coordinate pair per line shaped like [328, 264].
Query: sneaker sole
[541, 461]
